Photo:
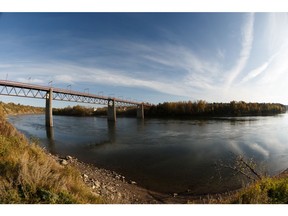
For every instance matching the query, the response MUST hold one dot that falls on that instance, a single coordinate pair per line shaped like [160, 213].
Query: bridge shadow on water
[109, 140]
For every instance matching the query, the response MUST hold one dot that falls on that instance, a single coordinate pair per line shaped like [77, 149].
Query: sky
[151, 57]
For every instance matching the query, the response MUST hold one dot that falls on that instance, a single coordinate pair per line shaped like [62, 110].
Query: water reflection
[108, 140]
[50, 138]
[111, 131]
[140, 125]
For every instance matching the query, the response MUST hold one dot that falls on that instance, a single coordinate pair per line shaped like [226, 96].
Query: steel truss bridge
[19, 89]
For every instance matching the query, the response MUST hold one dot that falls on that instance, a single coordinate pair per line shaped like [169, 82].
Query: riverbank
[30, 174]
[117, 189]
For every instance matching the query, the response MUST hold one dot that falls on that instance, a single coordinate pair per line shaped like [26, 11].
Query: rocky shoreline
[112, 187]
[116, 189]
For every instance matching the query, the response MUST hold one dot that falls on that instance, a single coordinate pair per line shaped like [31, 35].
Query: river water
[167, 155]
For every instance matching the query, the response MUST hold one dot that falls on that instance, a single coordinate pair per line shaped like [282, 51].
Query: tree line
[183, 109]
[88, 111]
[202, 108]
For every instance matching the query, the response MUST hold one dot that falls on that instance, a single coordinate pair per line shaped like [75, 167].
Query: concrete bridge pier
[48, 111]
[111, 111]
[140, 111]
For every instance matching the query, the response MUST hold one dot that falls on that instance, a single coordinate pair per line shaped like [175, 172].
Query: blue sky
[153, 57]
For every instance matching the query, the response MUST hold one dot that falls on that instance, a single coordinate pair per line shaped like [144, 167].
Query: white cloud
[247, 41]
[116, 78]
[79, 74]
[254, 73]
[30, 80]
[221, 53]
[3, 66]
[268, 82]
[65, 78]
[196, 72]
[276, 31]
[275, 77]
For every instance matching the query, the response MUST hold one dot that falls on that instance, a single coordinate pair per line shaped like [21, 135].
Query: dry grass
[29, 175]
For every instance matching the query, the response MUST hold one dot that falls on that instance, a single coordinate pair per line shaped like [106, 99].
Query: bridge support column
[48, 111]
[140, 111]
[111, 112]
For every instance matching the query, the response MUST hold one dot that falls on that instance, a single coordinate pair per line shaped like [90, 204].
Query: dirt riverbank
[116, 189]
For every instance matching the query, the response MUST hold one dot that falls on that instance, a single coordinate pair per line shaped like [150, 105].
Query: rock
[111, 189]
[68, 157]
[103, 192]
[63, 162]
[133, 182]
[97, 184]
[112, 197]
[96, 194]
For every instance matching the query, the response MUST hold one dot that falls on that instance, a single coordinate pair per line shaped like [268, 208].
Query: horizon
[153, 57]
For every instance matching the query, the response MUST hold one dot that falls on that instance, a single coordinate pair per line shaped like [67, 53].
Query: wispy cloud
[30, 80]
[247, 41]
[276, 31]
[195, 72]
[79, 74]
[164, 67]
[221, 53]
[254, 73]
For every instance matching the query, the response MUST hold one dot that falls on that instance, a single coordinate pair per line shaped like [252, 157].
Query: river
[170, 156]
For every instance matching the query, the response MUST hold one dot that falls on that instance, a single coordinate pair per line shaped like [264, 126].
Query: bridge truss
[10, 88]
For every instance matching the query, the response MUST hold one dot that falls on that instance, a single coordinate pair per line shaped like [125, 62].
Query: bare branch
[250, 168]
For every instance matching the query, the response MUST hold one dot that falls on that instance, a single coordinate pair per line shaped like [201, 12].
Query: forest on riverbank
[183, 110]
[202, 108]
